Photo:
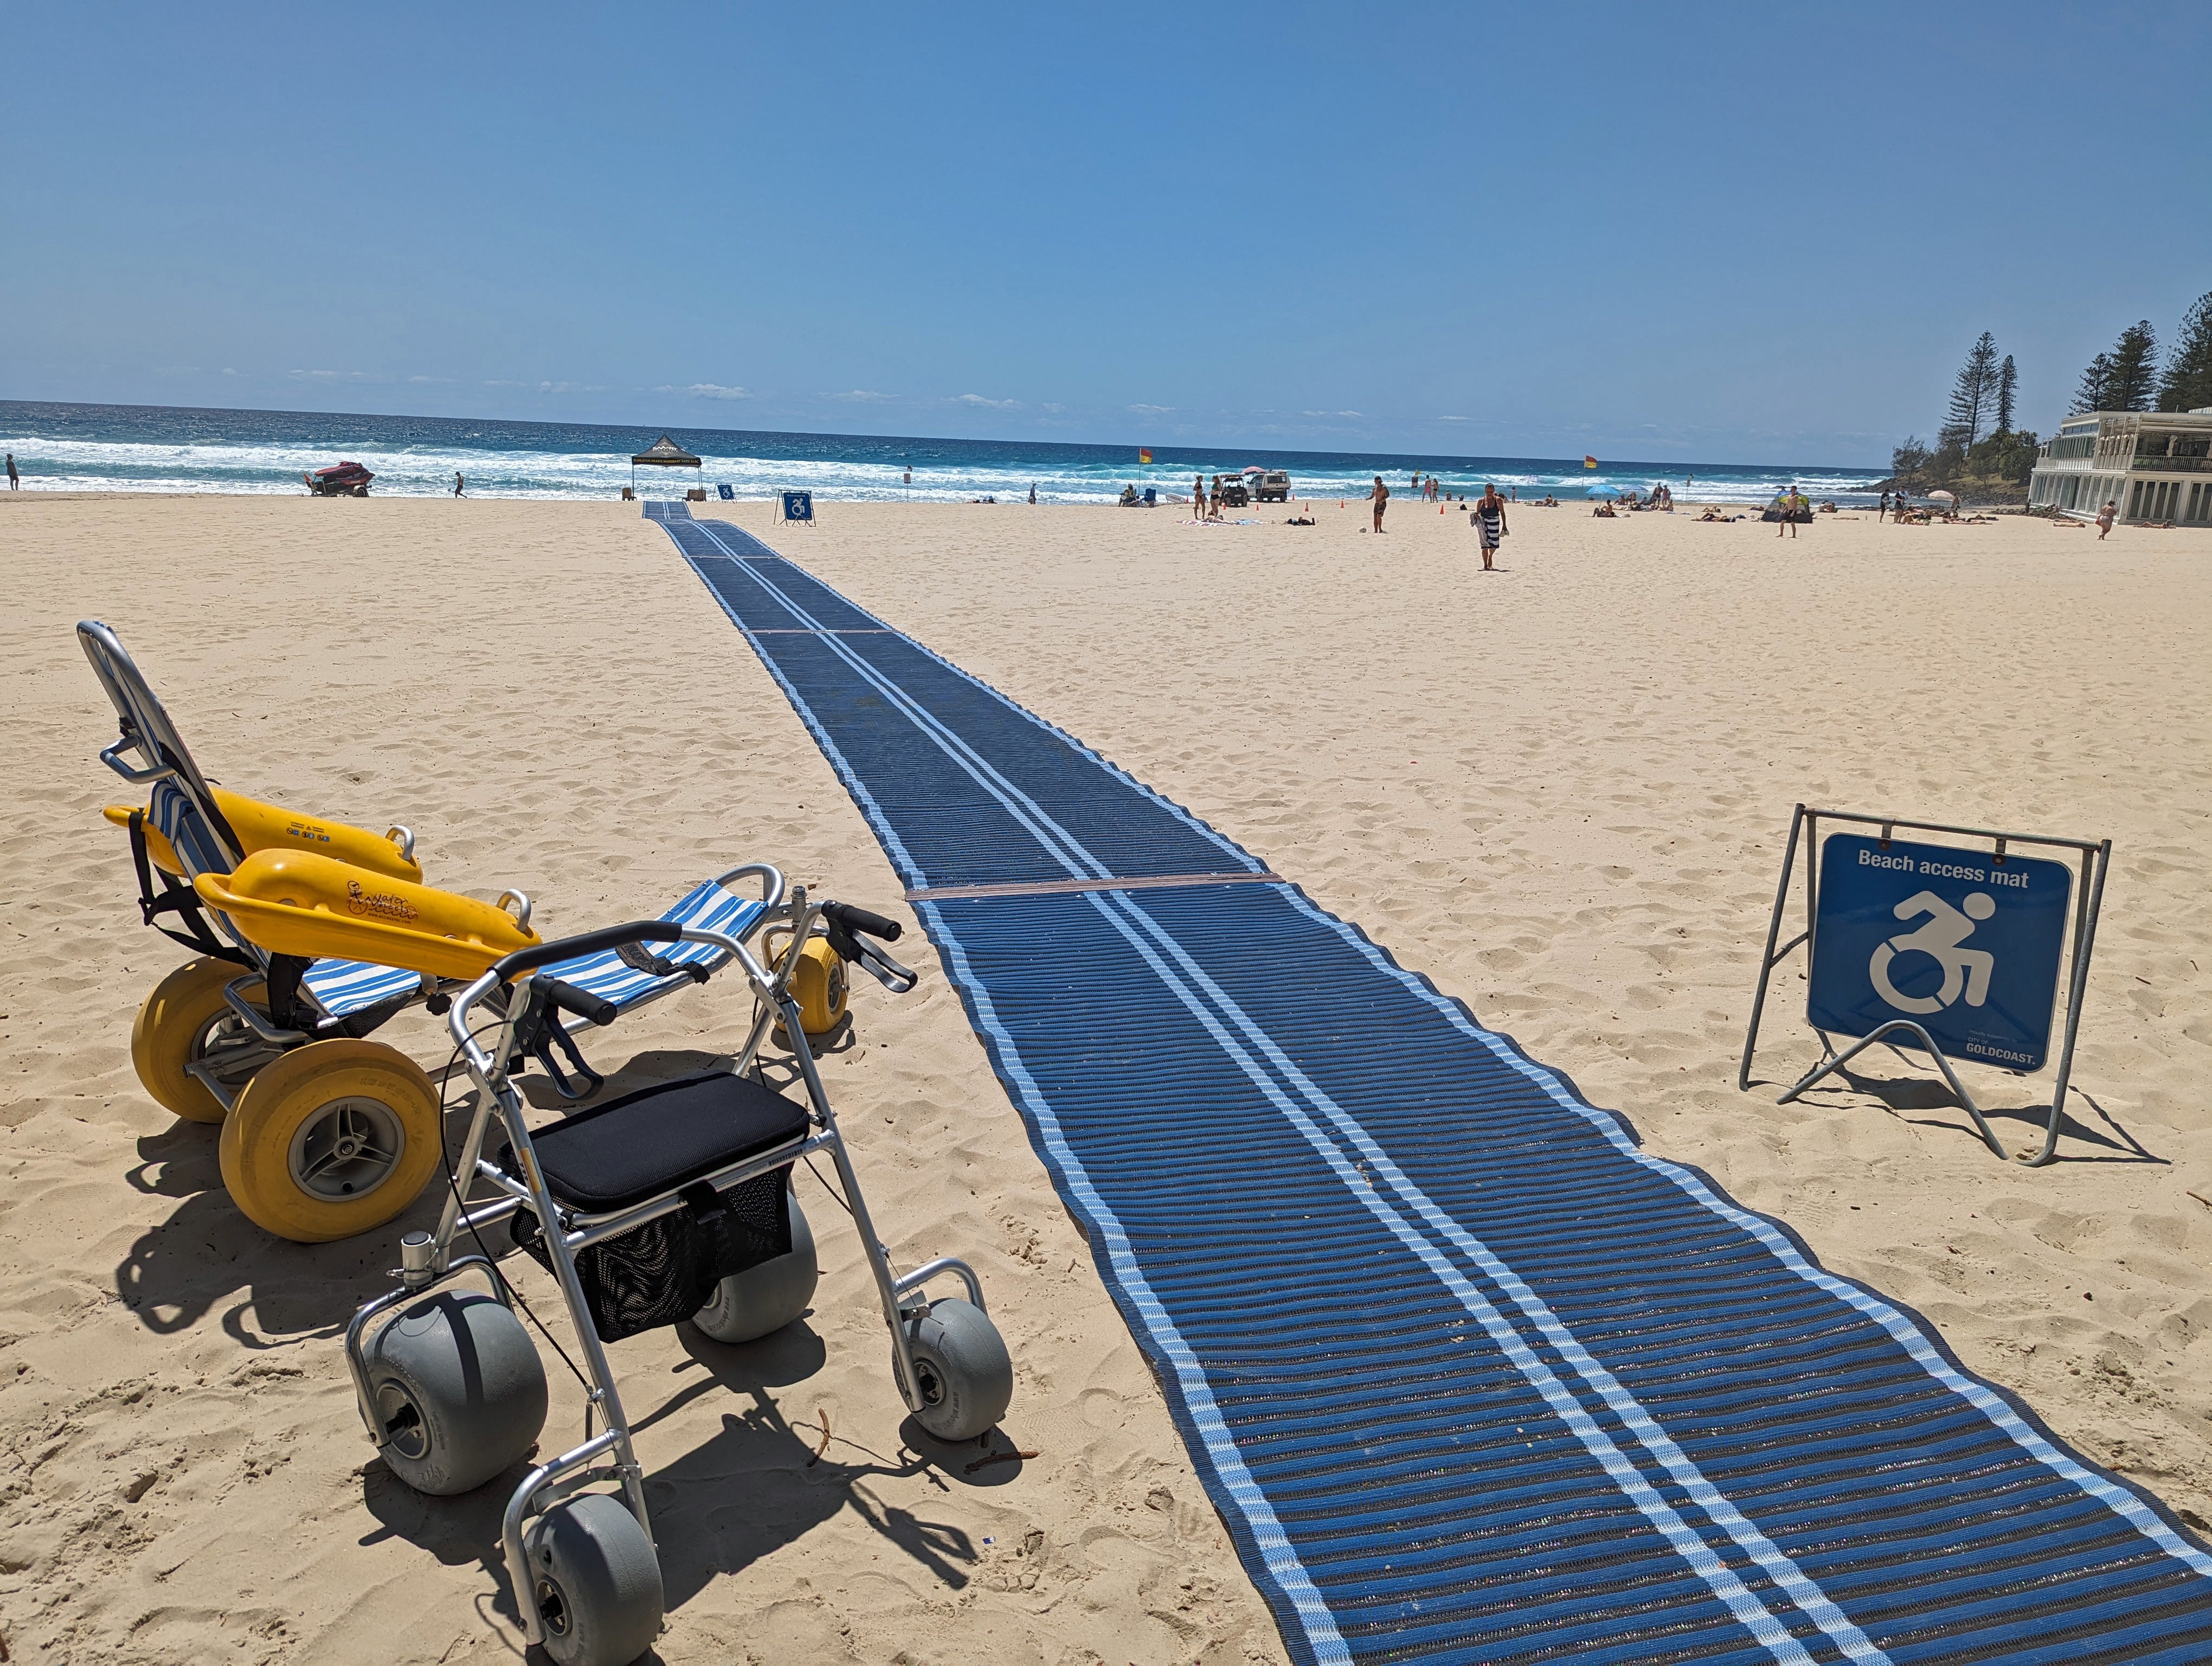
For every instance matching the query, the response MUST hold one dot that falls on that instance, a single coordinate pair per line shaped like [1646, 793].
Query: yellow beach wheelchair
[336, 948]
[193, 1048]
[669, 1204]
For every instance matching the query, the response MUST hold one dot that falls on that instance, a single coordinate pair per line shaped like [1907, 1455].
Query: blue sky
[1749, 233]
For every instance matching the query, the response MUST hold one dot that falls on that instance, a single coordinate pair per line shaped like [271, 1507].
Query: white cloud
[228, 371]
[1455, 419]
[1152, 410]
[318, 375]
[978, 399]
[860, 396]
[716, 390]
[1331, 413]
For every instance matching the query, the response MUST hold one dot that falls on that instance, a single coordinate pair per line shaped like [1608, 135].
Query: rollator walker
[673, 1202]
[327, 1134]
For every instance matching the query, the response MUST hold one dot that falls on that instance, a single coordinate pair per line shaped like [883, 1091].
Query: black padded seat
[659, 1140]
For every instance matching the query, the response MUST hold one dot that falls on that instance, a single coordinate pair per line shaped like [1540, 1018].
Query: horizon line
[1677, 466]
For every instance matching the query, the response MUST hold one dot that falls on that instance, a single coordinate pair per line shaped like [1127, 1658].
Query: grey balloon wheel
[458, 1389]
[596, 1582]
[967, 1379]
[748, 1305]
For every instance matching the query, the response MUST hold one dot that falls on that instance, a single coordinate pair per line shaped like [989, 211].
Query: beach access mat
[1468, 1375]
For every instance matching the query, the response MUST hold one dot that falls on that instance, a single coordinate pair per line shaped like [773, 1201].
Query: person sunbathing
[1604, 512]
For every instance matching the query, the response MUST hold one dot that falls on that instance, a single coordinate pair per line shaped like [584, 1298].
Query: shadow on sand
[753, 1486]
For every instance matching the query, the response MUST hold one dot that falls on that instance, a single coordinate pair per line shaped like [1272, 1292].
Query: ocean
[159, 448]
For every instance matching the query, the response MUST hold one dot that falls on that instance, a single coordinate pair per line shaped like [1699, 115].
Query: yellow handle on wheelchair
[292, 903]
[271, 827]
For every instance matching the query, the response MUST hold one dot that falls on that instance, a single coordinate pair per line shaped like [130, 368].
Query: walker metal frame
[426, 1258]
[2088, 901]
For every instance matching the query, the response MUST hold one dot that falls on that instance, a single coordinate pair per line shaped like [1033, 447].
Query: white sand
[1559, 790]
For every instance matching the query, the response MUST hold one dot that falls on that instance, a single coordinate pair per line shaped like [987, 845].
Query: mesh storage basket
[666, 1269]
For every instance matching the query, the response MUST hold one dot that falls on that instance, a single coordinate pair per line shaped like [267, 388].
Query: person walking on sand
[1489, 519]
[1032, 491]
[1198, 496]
[459, 482]
[15, 480]
[1380, 497]
[2105, 517]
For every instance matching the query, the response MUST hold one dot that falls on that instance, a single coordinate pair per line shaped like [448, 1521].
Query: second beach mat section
[1469, 1376]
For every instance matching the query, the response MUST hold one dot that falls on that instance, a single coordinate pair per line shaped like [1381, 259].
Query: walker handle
[859, 920]
[507, 967]
[568, 997]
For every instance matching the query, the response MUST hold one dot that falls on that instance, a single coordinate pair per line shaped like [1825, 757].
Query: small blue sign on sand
[797, 506]
[727, 492]
[1963, 945]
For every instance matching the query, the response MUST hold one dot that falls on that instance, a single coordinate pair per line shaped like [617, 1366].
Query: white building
[2155, 465]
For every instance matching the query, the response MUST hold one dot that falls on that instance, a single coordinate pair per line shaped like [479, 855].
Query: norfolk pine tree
[1973, 397]
[2008, 386]
[2135, 369]
[2187, 384]
[2096, 386]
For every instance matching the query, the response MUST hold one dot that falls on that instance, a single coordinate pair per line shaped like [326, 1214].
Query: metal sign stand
[2088, 899]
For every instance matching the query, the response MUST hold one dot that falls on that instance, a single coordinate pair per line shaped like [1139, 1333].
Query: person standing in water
[15, 480]
[1489, 519]
[1032, 491]
[1380, 497]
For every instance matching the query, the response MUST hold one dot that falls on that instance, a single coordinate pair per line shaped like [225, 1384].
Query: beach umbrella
[1939, 492]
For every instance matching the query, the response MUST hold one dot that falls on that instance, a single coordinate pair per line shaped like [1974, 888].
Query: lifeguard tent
[666, 454]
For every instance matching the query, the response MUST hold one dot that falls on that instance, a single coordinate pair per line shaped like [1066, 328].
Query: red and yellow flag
[1590, 462]
[1144, 454]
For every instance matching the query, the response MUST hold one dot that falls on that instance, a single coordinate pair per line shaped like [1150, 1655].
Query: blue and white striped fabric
[171, 812]
[708, 909]
[1471, 1377]
[343, 987]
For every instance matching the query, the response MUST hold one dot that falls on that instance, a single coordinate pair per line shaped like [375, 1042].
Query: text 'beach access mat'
[1469, 1376]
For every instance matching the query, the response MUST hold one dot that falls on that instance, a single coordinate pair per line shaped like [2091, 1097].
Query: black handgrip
[859, 920]
[509, 967]
[584, 1004]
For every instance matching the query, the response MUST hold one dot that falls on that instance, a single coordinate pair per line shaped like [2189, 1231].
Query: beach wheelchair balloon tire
[332, 1138]
[966, 1378]
[764, 1298]
[187, 1020]
[459, 1391]
[819, 982]
[596, 1582]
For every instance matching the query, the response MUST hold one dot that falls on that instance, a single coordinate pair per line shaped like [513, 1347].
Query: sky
[1727, 233]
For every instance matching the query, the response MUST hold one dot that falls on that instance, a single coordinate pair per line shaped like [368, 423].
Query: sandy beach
[1559, 790]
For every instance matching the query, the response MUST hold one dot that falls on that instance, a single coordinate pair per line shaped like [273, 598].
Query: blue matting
[1468, 1375]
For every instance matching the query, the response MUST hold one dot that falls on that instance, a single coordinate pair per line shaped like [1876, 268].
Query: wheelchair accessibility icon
[1965, 971]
